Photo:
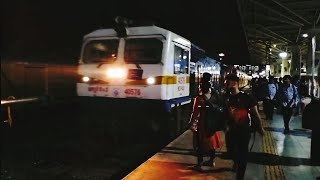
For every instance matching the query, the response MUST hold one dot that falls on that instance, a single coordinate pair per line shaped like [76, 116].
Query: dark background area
[52, 31]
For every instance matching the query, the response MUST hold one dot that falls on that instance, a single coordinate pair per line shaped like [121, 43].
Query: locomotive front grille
[135, 74]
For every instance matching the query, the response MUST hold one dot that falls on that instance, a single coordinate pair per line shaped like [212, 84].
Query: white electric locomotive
[145, 64]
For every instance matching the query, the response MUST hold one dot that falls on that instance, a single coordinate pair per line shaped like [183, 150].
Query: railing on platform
[11, 100]
[14, 101]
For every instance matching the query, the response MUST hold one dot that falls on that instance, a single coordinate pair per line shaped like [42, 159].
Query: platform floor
[276, 156]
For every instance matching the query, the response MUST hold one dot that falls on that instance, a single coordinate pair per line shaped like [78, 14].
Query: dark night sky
[53, 30]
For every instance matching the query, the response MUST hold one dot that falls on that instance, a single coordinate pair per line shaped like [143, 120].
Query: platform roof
[278, 25]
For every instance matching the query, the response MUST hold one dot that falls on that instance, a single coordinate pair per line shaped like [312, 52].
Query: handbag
[193, 123]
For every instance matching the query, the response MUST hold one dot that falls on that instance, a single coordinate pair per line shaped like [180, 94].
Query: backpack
[213, 118]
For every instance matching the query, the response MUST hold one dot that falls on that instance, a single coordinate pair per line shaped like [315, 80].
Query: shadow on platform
[271, 159]
[294, 132]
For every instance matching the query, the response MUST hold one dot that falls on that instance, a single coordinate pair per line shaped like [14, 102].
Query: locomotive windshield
[104, 51]
[143, 50]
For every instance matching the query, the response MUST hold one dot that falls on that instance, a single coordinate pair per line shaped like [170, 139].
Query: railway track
[59, 141]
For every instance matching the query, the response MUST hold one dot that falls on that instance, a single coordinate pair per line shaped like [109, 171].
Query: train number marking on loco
[133, 92]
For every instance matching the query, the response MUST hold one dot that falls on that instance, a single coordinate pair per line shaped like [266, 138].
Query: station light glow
[267, 67]
[283, 54]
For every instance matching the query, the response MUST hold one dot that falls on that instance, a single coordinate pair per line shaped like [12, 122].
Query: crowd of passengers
[288, 96]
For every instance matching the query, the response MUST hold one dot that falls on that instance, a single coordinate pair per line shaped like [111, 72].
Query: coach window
[181, 61]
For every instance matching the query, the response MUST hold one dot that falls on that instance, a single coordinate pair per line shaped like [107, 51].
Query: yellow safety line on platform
[268, 146]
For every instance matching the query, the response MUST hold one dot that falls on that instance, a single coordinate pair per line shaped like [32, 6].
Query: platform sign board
[248, 69]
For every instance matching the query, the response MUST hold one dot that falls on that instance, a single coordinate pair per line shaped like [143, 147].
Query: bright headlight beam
[85, 79]
[151, 80]
[116, 73]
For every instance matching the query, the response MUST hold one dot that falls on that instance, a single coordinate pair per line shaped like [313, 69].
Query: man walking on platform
[289, 99]
[238, 106]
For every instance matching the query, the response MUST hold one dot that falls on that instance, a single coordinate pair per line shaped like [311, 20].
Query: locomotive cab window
[181, 61]
[143, 50]
[101, 51]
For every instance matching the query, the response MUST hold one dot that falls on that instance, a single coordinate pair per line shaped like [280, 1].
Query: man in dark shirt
[239, 108]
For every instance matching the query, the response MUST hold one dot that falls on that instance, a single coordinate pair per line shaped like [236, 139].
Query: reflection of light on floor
[279, 137]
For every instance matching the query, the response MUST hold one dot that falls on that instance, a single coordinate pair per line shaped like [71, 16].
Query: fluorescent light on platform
[283, 54]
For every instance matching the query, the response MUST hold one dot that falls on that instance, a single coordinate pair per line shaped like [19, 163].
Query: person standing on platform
[310, 116]
[269, 98]
[304, 94]
[278, 96]
[239, 107]
[254, 88]
[206, 79]
[202, 142]
[296, 82]
[289, 100]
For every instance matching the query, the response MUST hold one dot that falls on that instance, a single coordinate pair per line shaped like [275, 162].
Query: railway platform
[276, 156]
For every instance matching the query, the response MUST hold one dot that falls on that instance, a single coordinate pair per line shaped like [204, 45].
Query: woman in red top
[202, 142]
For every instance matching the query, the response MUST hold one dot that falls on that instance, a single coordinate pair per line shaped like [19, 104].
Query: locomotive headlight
[85, 79]
[116, 73]
[151, 80]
